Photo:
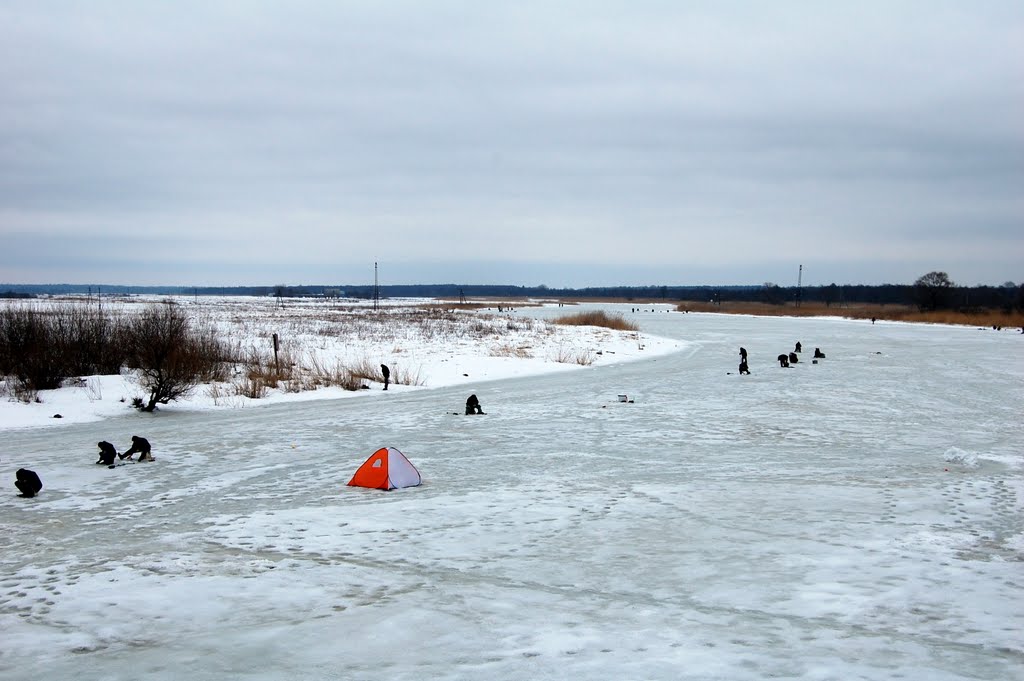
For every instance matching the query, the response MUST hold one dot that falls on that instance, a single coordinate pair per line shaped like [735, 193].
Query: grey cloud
[643, 133]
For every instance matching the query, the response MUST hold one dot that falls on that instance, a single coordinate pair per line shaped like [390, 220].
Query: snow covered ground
[859, 518]
[424, 345]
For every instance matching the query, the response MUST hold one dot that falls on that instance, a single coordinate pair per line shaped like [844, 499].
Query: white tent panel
[401, 472]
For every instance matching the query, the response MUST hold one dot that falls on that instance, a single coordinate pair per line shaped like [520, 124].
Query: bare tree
[933, 290]
[171, 359]
[771, 293]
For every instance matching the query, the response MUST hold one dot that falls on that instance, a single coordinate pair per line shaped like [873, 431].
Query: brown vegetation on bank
[598, 318]
[899, 313]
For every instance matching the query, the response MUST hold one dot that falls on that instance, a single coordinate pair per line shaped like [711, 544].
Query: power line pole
[799, 285]
[376, 289]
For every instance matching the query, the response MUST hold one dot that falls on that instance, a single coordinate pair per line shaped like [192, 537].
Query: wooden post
[277, 367]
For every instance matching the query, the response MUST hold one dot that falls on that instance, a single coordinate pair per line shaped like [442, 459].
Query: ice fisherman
[743, 354]
[107, 453]
[27, 482]
[818, 354]
[744, 369]
[473, 406]
[140, 445]
[387, 374]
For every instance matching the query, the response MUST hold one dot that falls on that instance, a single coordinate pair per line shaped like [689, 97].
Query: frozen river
[856, 519]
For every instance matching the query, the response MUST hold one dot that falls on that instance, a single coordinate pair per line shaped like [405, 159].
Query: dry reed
[598, 318]
[899, 313]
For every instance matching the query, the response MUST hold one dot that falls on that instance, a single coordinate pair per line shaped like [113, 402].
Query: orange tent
[387, 468]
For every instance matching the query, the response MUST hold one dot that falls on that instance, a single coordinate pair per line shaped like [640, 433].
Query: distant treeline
[1009, 296]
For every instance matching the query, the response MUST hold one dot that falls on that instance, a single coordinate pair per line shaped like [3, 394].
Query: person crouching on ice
[27, 482]
[140, 445]
[107, 453]
[473, 406]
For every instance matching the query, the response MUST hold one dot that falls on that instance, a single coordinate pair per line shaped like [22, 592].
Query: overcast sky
[567, 144]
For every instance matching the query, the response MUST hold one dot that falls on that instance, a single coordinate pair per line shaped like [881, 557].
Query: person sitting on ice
[140, 445]
[27, 482]
[473, 406]
[793, 359]
[107, 453]
[818, 354]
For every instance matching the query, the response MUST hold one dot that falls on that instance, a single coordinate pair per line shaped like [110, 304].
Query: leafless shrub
[41, 347]
[569, 355]
[24, 393]
[215, 392]
[316, 373]
[171, 359]
[268, 370]
[93, 389]
[404, 376]
[585, 358]
[251, 386]
[347, 381]
[368, 370]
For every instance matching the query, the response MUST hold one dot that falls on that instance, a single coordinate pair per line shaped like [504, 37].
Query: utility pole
[376, 289]
[799, 285]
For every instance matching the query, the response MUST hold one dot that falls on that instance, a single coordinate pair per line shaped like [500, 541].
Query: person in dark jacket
[140, 446]
[818, 354]
[783, 360]
[107, 453]
[743, 354]
[387, 374]
[473, 406]
[27, 482]
[744, 369]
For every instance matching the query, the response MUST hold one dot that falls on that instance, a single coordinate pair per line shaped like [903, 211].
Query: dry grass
[570, 355]
[507, 350]
[367, 370]
[900, 313]
[598, 318]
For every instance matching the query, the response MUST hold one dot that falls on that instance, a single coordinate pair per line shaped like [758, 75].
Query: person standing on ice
[473, 406]
[141, 446]
[387, 374]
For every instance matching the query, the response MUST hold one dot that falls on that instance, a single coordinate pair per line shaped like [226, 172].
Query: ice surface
[859, 518]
